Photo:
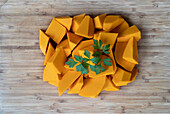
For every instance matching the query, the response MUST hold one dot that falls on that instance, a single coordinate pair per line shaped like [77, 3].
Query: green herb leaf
[102, 69]
[85, 64]
[95, 47]
[80, 59]
[105, 49]
[100, 43]
[97, 54]
[83, 70]
[87, 53]
[95, 60]
[107, 62]
[97, 68]
[71, 63]
[85, 59]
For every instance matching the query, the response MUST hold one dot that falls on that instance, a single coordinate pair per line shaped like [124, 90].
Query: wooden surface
[21, 61]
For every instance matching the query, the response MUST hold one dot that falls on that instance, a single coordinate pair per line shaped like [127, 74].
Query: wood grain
[21, 61]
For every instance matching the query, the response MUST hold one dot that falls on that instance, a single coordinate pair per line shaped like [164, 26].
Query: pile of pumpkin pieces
[69, 36]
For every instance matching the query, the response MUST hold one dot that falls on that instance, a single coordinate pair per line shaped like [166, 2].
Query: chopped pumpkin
[50, 74]
[111, 22]
[131, 52]
[134, 74]
[119, 49]
[131, 31]
[113, 61]
[86, 27]
[43, 39]
[76, 86]
[73, 39]
[108, 38]
[98, 21]
[50, 52]
[65, 21]
[58, 60]
[56, 31]
[67, 80]
[65, 45]
[109, 85]
[76, 21]
[92, 86]
[122, 27]
[121, 77]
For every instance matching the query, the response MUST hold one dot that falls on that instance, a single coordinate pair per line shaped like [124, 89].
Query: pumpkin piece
[108, 70]
[109, 85]
[50, 52]
[86, 27]
[108, 38]
[134, 74]
[92, 87]
[113, 61]
[56, 31]
[98, 21]
[121, 77]
[111, 22]
[65, 21]
[76, 86]
[66, 81]
[131, 31]
[96, 34]
[44, 39]
[131, 52]
[76, 21]
[55, 83]
[119, 49]
[73, 39]
[58, 59]
[122, 27]
[50, 75]
[82, 45]
[65, 45]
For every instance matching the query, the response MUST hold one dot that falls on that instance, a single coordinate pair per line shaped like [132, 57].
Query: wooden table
[22, 90]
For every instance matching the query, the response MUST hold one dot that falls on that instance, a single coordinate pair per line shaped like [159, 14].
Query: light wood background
[22, 90]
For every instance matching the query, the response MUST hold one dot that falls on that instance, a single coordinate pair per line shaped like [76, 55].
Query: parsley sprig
[83, 63]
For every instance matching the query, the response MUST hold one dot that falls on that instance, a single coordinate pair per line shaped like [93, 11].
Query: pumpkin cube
[86, 27]
[132, 31]
[131, 52]
[119, 50]
[122, 27]
[58, 60]
[73, 39]
[92, 87]
[65, 45]
[98, 21]
[50, 52]
[65, 21]
[56, 31]
[76, 86]
[121, 77]
[43, 39]
[109, 85]
[67, 80]
[108, 38]
[111, 22]
[76, 21]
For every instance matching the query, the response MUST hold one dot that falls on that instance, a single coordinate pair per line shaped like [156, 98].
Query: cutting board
[21, 61]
